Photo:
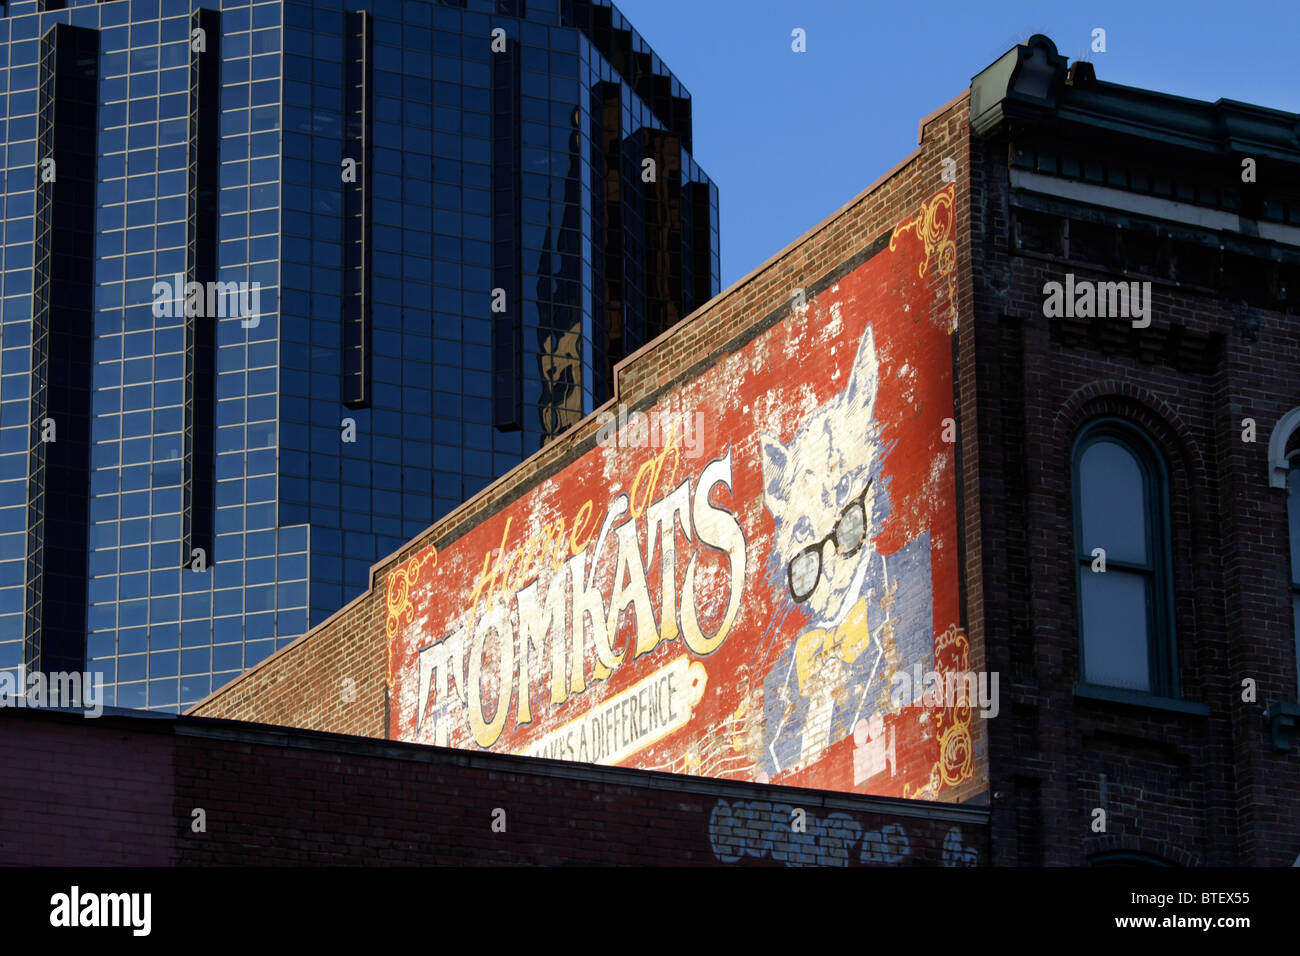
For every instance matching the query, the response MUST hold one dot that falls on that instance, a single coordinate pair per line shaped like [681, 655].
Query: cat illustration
[826, 495]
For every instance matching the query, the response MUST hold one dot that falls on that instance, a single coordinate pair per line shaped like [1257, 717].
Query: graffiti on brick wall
[727, 581]
[791, 835]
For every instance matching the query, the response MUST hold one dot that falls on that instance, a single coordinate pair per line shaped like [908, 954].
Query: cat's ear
[860, 396]
[773, 456]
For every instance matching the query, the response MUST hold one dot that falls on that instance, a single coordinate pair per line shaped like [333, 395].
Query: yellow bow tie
[846, 641]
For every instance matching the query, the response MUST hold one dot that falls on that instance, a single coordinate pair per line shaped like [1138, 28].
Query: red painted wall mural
[756, 577]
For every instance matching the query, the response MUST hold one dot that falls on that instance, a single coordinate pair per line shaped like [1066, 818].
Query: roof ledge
[1031, 85]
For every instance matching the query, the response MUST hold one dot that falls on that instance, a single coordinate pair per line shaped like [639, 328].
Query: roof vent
[1080, 74]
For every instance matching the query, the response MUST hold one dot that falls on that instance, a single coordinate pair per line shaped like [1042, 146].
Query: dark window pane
[1293, 513]
[1113, 503]
[1115, 628]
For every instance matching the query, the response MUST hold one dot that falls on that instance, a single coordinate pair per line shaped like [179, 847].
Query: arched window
[1121, 506]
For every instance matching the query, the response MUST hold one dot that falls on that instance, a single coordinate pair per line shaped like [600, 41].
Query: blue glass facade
[454, 218]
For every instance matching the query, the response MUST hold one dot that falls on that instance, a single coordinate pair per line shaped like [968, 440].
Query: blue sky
[791, 137]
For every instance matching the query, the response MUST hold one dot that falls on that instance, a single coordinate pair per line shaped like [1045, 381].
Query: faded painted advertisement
[735, 580]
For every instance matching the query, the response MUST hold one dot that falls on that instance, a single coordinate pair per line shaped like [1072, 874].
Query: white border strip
[1165, 209]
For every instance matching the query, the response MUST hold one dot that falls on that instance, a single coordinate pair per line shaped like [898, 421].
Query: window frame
[1162, 644]
[1293, 573]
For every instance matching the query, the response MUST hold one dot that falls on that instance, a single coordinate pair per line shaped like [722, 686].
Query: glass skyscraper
[284, 282]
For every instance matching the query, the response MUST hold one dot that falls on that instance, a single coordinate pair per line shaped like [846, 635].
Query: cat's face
[808, 484]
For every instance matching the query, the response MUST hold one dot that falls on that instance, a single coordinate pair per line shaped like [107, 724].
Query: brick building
[1074, 176]
[1057, 329]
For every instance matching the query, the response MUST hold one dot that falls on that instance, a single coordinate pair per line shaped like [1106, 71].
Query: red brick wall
[75, 790]
[367, 803]
[125, 790]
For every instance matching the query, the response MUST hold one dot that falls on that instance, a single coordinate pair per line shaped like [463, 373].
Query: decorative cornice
[1028, 84]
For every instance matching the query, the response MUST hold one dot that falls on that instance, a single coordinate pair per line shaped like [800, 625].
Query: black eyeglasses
[848, 534]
